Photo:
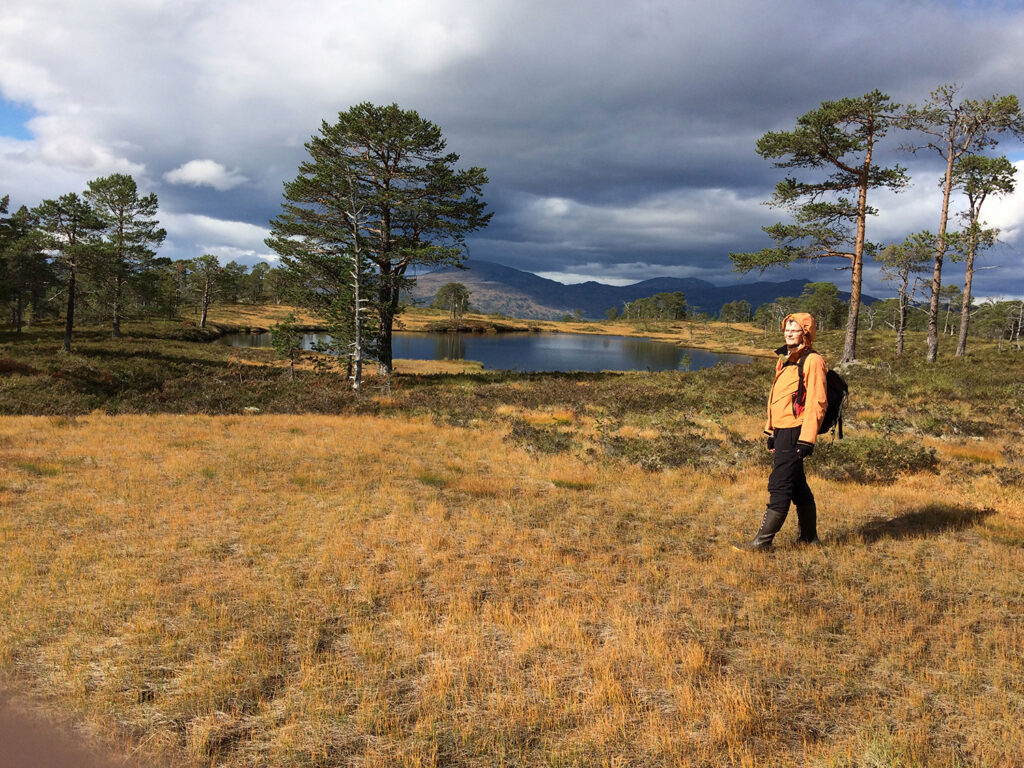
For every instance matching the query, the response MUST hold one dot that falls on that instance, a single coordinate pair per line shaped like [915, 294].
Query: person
[795, 413]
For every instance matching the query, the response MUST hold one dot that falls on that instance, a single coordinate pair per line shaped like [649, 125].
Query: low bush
[670, 450]
[542, 439]
[870, 459]
[9, 366]
[942, 420]
[1010, 476]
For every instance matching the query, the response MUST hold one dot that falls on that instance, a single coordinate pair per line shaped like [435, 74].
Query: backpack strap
[801, 390]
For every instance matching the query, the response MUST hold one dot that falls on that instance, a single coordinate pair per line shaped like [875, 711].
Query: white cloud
[191, 235]
[1007, 213]
[574, 278]
[676, 219]
[208, 173]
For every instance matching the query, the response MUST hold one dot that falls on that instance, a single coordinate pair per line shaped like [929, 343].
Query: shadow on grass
[931, 519]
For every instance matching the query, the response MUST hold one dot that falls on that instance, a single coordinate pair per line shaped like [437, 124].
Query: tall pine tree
[954, 129]
[131, 234]
[829, 212]
[389, 168]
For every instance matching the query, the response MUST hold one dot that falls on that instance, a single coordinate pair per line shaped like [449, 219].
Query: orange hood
[806, 321]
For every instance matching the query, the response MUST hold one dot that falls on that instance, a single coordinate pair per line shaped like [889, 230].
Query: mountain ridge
[499, 289]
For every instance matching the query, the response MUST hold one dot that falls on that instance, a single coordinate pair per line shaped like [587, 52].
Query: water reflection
[535, 351]
[447, 346]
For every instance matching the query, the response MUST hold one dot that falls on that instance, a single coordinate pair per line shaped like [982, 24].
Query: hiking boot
[807, 517]
[762, 542]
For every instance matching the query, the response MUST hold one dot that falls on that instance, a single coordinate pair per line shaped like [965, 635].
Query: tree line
[92, 255]
[833, 150]
[991, 319]
[378, 196]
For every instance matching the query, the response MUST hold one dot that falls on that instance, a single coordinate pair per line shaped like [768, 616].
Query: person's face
[793, 334]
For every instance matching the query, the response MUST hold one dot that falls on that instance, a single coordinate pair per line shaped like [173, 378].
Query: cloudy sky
[618, 137]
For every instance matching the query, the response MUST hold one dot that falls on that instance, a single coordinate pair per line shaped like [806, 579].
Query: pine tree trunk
[116, 332]
[965, 309]
[857, 268]
[206, 302]
[69, 320]
[940, 253]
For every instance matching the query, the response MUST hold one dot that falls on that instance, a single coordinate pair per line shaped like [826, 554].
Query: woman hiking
[796, 407]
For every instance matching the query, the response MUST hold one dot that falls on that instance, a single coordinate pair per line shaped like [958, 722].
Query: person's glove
[771, 442]
[803, 450]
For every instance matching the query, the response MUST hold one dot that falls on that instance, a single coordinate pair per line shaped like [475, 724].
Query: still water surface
[531, 352]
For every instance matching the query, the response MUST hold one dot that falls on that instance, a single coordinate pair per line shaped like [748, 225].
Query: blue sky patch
[13, 117]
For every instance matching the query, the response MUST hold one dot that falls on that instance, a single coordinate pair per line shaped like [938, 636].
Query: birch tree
[455, 298]
[205, 281]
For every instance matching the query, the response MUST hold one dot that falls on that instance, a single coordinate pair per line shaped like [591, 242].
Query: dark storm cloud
[619, 138]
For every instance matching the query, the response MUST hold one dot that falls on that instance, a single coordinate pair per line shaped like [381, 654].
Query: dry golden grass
[257, 315]
[432, 367]
[307, 590]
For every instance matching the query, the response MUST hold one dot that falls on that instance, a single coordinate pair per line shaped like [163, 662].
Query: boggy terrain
[204, 563]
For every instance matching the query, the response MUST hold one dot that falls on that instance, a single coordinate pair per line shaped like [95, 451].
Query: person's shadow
[930, 519]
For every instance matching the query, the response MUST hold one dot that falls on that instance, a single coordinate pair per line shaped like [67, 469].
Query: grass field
[489, 570]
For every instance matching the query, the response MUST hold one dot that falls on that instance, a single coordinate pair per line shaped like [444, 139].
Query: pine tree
[954, 130]
[388, 167]
[830, 214]
[72, 230]
[131, 234]
[979, 177]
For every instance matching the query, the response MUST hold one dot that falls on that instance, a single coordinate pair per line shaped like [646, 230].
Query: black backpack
[836, 393]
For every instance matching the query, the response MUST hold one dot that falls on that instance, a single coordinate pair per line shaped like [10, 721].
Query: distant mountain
[495, 288]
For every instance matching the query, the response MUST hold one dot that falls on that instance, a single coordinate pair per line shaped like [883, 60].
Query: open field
[487, 569]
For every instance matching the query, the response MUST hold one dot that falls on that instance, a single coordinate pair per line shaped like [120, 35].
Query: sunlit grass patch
[977, 452]
[549, 417]
[433, 367]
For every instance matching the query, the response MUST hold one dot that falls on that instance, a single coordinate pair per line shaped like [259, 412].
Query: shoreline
[683, 333]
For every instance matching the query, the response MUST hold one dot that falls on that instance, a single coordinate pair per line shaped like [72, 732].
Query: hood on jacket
[806, 321]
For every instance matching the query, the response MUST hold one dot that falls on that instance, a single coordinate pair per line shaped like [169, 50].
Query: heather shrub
[870, 459]
[541, 439]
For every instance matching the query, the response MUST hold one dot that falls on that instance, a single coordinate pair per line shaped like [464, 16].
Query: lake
[531, 352]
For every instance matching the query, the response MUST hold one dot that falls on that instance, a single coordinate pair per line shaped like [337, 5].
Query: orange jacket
[783, 410]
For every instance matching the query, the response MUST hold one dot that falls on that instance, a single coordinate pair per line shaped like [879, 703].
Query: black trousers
[787, 482]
